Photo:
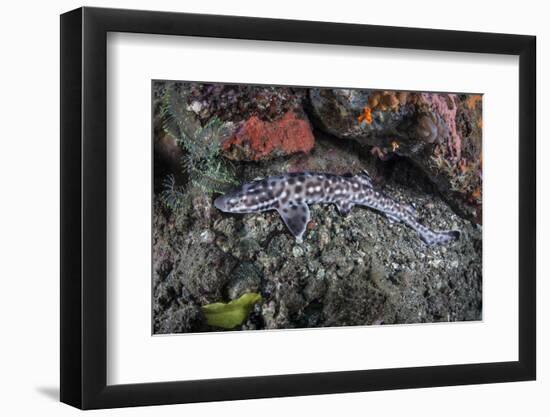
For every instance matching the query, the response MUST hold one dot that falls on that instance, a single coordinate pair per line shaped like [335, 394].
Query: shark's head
[235, 201]
[248, 198]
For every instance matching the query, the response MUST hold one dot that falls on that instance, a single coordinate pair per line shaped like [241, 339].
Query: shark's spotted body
[291, 195]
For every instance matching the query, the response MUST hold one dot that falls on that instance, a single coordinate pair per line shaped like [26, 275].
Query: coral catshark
[291, 194]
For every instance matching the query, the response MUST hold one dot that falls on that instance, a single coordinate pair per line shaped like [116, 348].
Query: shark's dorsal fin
[296, 217]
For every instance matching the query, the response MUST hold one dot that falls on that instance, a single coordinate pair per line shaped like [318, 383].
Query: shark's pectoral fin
[296, 217]
[344, 207]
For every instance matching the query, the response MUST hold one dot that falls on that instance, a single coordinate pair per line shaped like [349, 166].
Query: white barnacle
[318, 188]
[310, 189]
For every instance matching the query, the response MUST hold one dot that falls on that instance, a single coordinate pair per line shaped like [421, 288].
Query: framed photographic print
[257, 208]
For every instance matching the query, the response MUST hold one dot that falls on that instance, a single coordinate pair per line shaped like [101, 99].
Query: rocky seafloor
[349, 270]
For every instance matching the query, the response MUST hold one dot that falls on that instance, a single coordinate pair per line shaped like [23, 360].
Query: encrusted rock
[439, 132]
[237, 103]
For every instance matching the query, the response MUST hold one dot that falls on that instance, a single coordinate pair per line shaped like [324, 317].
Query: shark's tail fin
[430, 237]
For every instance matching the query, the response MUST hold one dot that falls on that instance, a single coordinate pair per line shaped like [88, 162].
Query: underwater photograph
[290, 207]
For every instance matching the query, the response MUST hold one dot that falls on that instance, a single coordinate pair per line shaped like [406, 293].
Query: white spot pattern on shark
[291, 195]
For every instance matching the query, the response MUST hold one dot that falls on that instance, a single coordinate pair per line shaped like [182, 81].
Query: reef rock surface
[352, 270]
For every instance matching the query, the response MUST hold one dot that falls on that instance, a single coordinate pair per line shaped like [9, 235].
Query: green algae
[232, 314]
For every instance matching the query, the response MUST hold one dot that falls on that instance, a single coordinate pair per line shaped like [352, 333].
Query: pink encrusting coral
[445, 105]
[257, 139]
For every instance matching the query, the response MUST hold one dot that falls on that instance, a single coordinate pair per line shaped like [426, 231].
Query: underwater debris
[232, 314]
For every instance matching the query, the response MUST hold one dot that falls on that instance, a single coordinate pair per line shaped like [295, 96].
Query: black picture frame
[84, 207]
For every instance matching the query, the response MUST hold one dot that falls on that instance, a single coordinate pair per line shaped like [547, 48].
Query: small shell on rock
[297, 251]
